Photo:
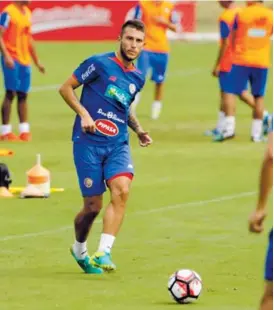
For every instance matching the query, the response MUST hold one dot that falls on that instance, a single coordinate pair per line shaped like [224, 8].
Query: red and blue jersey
[108, 91]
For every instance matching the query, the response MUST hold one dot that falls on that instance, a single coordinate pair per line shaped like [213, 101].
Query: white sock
[257, 129]
[106, 243]
[230, 124]
[24, 127]
[221, 121]
[80, 249]
[156, 109]
[5, 129]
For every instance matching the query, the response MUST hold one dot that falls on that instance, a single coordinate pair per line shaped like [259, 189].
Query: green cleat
[221, 138]
[86, 265]
[102, 260]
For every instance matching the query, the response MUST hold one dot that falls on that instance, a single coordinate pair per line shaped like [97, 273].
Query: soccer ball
[185, 286]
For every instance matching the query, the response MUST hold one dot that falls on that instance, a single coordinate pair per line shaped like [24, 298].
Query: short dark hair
[134, 23]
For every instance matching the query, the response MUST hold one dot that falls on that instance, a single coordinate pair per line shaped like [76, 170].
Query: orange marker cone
[38, 181]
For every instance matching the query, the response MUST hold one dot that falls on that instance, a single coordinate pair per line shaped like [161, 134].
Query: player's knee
[22, 97]
[92, 205]
[10, 94]
[120, 192]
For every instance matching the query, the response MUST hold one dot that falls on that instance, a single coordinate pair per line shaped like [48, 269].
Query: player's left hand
[144, 139]
[256, 221]
[215, 72]
[41, 68]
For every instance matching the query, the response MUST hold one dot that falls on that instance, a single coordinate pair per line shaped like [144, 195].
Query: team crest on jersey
[107, 127]
[88, 182]
[132, 88]
[118, 94]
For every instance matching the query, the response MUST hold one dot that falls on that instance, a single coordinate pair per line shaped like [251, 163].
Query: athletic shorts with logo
[96, 164]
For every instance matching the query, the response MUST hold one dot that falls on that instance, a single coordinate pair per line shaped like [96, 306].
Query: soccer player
[225, 128]
[252, 31]
[100, 134]
[158, 16]
[222, 68]
[256, 221]
[17, 48]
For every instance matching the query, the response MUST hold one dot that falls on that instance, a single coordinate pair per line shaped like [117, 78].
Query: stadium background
[188, 208]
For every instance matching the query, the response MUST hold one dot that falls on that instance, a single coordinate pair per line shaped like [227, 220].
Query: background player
[17, 48]
[251, 38]
[100, 135]
[158, 16]
[222, 70]
[257, 218]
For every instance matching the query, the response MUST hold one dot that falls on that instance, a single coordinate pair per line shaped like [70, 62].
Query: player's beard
[124, 55]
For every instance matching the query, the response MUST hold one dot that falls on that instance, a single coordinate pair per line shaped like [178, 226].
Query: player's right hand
[9, 62]
[256, 221]
[88, 124]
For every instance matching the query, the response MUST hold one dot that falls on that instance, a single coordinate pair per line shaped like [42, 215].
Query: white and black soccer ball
[185, 286]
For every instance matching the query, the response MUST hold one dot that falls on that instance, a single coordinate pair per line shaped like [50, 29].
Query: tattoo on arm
[134, 124]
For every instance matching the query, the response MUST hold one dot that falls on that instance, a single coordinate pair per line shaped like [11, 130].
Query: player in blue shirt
[257, 218]
[100, 135]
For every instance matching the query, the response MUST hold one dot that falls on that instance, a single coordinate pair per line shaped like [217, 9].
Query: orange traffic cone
[38, 181]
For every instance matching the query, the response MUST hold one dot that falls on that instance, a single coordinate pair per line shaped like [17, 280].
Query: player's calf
[85, 218]
[267, 299]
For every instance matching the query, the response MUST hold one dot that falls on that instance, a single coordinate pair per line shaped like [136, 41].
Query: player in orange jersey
[158, 16]
[222, 70]
[252, 33]
[225, 128]
[17, 48]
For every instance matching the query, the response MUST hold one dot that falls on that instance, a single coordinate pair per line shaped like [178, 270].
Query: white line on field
[37, 89]
[155, 210]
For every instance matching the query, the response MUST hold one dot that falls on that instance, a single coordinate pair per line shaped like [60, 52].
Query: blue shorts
[17, 78]
[226, 82]
[269, 259]
[257, 78]
[97, 164]
[157, 62]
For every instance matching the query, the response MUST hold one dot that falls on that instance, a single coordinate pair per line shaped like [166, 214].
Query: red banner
[91, 20]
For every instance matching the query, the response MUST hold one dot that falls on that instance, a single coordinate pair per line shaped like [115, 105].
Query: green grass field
[188, 208]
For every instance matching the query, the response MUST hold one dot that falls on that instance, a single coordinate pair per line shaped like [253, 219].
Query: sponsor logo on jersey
[88, 72]
[111, 115]
[107, 127]
[257, 33]
[118, 94]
